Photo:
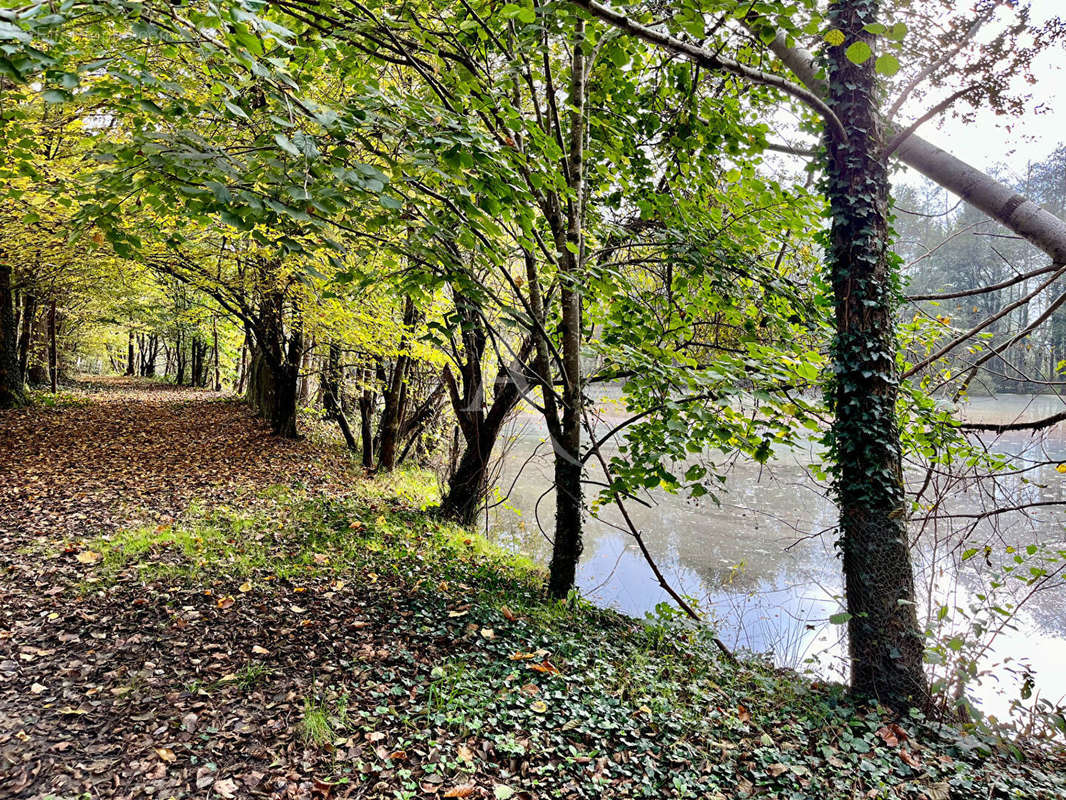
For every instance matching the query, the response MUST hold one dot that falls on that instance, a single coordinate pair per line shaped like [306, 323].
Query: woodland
[278, 278]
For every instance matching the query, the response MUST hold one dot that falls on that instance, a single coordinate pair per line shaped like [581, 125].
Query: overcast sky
[1014, 142]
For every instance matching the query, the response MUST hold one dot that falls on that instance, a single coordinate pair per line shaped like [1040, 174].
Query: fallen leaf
[260, 651]
[37, 688]
[743, 714]
[465, 790]
[777, 770]
[225, 602]
[508, 614]
[464, 753]
[244, 587]
[502, 792]
[225, 787]
[539, 706]
[166, 754]
[88, 557]
[488, 633]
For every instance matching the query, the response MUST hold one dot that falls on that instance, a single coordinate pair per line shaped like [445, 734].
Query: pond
[762, 564]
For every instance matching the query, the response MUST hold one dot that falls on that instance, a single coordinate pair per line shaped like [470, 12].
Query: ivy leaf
[839, 619]
[858, 52]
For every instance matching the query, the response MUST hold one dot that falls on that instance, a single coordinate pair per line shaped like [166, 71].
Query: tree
[884, 639]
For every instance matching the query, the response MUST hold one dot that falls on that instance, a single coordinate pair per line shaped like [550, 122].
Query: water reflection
[763, 567]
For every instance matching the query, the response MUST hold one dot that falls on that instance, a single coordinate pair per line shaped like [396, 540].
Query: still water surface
[763, 567]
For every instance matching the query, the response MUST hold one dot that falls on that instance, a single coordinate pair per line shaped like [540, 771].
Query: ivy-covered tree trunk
[885, 643]
[11, 392]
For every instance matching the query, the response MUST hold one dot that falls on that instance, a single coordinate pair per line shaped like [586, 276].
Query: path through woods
[152, 686]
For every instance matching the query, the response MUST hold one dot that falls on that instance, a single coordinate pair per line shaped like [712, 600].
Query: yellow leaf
[225, 602]
[166, 754]
[539, 706]
[488, 633]
[835, 37]
[1061, 468]
[245, 587]
[88, 556]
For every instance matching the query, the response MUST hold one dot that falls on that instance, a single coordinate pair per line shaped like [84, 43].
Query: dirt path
[157, 688]
[119, 451]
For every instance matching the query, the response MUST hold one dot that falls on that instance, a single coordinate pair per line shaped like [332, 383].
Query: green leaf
[526, 16]
[285, 143]
[502, 792]
[858, 52]
[839, 619]
[887, 64]
[834, 38]
[897, 32]
[56, 96]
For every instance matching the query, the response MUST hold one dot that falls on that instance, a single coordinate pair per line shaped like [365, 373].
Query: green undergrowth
[557, 700]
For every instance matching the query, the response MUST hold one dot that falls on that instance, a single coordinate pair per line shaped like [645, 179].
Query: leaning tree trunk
[883, 635]
[11, 392]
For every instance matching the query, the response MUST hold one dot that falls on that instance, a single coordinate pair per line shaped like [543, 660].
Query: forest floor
[192, 608]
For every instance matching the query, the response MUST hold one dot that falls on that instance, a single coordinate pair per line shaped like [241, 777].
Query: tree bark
[395, 397]
[884, 639]
[131, 357]
[53, 355]
[11, 391]
[29, 312]
[567, 547]
[332, 383]
[218, 373]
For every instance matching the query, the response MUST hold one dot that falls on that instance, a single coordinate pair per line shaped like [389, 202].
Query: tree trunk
[332, 382]
[29, 312]
[53, 356]
[214, 334]
[366, 433]
[11, 392]
[131, 359]
[567, 547]
[395, 397]
[884, 639]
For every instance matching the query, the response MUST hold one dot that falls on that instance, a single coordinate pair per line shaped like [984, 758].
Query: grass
[560, 686]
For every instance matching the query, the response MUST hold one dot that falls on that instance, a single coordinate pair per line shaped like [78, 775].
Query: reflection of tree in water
[763, 564]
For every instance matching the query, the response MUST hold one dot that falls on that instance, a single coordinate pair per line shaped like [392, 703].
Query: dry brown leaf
[465, 790]
[166, 754]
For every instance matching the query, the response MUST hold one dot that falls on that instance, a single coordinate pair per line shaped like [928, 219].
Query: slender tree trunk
[29, 312]
[567, 547]
[285, 396]
[242, 366]
[214, 334]
[883, 635]
[332, 383]
[53, 355]
[11, 391]
[366, 433]
[131, 361]
[394, 397]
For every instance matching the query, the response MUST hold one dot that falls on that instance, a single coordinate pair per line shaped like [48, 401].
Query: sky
[990, 140]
